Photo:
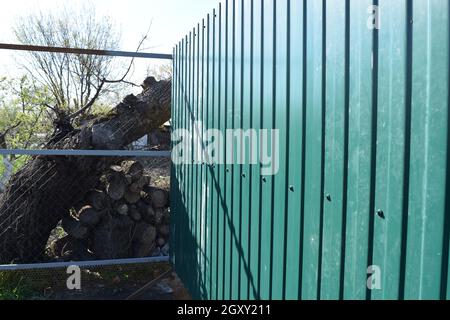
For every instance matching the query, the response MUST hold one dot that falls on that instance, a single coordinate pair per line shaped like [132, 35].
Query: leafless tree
[74, 81]
[161, 72]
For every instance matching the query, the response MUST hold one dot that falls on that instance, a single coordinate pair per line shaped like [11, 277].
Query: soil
[170, 288]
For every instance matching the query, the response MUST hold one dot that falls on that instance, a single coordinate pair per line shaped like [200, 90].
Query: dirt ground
[145, 281]
[170, 288]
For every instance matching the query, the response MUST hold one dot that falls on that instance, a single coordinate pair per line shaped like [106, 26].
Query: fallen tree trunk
[44, 191]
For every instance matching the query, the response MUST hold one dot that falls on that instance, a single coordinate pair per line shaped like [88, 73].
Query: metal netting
[26, 225]
[112, 280]
[45, 199]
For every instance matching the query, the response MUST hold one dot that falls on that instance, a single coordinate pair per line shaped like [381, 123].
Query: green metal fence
[363, 115]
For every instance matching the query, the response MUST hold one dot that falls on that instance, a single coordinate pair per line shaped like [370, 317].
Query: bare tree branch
[105, 81]
[70, 78]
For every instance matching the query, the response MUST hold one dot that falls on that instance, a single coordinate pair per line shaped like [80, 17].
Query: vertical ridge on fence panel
[195, 132]
[195, 167]
[294, 159]
[267, 123]
[354, 285]
[209, 114]
[280, 111]
[334, 150]
[222, 191]
[209, 206]
[192, 166]
[256, 120]
[246, 115]
[428, 150]
[185, 217]
[217, 124]
[199, 151]
[202, 187]
[205, 187]
[227, 170]
[313, 106]
[207, 172]
[189, 180]
[200, 163]
[391, 134]
[235, 115]
[214, 182]
[186, 200]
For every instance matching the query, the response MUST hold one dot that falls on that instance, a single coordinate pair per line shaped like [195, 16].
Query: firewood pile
[123, 217]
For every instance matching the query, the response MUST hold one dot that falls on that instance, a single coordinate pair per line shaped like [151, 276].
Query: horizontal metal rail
[88, 153]
[100, 263]
[96, 52]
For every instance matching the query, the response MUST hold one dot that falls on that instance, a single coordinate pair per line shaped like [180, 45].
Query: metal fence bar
[100, 263]
[96, 52]
[88, 153]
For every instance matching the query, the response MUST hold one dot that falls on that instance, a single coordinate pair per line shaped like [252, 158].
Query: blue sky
[170, 20]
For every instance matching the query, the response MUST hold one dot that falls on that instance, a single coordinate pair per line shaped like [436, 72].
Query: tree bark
[45, 190]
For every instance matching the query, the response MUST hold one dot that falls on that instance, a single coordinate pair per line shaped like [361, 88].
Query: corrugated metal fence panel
[364, 164]
[392, 160]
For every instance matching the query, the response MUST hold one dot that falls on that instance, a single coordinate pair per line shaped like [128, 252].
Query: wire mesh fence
[126, 215]
[78, 194]
[116, 280]
[47, 213]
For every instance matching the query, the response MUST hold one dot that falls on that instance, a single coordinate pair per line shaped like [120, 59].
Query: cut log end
[89, 217]
[117, 185]
[159, 198]
[75, 229]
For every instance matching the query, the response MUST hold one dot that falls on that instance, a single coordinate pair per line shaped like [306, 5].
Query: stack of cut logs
[124, 217]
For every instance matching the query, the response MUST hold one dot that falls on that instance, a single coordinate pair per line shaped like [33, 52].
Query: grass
[14, 286]
[97, 281]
